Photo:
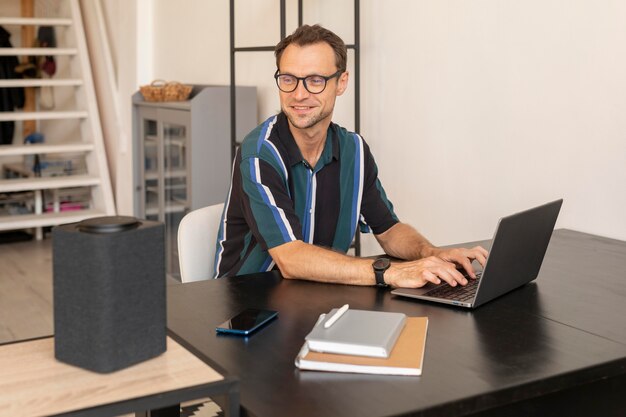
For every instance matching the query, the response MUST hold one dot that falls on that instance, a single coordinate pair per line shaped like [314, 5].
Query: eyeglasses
[314, 84]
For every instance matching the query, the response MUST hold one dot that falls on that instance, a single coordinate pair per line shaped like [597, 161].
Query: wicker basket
[160, 90]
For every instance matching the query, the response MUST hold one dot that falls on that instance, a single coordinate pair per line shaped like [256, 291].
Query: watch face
[381, 263]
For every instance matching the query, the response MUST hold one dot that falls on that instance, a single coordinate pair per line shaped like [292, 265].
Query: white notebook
[358, 332]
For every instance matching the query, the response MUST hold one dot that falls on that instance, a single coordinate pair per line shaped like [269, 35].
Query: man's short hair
[308, 35]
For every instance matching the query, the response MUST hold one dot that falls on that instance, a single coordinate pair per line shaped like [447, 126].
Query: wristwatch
[380, 265]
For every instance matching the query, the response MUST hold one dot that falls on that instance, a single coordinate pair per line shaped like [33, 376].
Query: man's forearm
[305, 261]
[301, 260]
[404, 242]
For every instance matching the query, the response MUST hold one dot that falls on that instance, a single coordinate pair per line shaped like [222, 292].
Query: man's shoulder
[341, 132]
[253, 143]
[348, 138]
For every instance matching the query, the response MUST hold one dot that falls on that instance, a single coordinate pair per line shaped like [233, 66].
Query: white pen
[336, 316]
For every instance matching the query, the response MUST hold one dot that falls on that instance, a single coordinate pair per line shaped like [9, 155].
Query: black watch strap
[380, 265]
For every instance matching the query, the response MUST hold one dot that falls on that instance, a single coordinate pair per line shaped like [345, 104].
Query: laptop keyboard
[459, 293]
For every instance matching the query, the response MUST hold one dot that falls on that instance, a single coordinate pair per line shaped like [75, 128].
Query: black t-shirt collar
[293, 152]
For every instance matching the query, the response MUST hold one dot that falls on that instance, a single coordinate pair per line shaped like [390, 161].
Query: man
[302, 184]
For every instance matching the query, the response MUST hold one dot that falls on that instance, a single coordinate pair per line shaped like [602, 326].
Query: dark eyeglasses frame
[303, 79]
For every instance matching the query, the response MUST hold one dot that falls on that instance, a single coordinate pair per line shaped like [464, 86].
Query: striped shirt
[275, 197]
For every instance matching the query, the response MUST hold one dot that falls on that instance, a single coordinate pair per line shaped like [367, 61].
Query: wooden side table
[33, 383]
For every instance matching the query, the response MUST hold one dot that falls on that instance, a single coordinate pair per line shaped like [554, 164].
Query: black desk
[543, 349]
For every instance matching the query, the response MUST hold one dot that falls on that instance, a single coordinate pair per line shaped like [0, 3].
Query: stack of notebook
[370, 342]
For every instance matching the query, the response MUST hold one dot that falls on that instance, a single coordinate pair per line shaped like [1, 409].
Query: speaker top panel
[108, 224]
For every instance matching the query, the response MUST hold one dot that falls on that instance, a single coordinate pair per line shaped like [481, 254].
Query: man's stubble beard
[296, 122]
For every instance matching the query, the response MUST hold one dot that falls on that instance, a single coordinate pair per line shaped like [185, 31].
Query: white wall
[478, 109]
[474, 110]
[204, 27]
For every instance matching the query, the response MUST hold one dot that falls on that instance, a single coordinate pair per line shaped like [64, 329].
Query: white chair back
[197, 234]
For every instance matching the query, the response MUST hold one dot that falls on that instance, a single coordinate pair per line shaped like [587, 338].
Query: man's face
[305, 110]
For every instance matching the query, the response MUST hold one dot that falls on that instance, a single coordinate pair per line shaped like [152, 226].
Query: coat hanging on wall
[10, 98]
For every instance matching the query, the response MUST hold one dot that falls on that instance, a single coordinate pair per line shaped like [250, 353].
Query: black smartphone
[247, 321]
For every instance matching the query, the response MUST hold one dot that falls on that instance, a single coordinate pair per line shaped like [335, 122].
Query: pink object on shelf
[65, 207]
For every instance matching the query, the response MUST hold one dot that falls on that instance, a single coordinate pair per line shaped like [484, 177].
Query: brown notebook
[406, 357]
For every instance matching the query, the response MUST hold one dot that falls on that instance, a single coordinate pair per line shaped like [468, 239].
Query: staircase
[71, 128]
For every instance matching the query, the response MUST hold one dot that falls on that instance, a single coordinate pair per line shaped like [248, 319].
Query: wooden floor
[25, 290]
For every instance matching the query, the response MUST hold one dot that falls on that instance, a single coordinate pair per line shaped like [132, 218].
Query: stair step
[26, 221]
[7, 116]
[47, 183]
[41, 82]
[9, 150]
[35, 21]
[72, 52]
[37, 51]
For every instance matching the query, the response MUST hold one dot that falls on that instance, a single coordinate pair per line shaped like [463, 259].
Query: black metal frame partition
[357, 72]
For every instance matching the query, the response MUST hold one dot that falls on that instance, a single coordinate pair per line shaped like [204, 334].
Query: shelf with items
[72, 156]
[47, 165]
[47, 183]
[67, 199]
[16, 203]
[34, 149]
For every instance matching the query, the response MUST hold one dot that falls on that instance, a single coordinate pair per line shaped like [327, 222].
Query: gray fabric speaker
[109, 292]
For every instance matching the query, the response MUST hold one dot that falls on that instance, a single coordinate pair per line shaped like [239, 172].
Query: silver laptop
[519, 245]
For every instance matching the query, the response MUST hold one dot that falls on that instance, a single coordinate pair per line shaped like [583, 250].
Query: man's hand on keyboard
[463, 257]
[415, 274]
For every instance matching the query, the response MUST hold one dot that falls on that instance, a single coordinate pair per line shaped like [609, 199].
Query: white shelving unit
[76, 106]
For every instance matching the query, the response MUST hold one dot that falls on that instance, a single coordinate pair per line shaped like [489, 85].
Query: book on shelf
[357, 332]
[406, 358]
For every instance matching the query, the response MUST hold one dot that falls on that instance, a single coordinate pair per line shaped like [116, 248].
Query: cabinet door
[165, 177]
[175, 130]
[175, 134]
[151, 154]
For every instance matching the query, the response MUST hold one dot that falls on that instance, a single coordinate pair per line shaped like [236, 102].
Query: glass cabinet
[165, 177]
[182, 154]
